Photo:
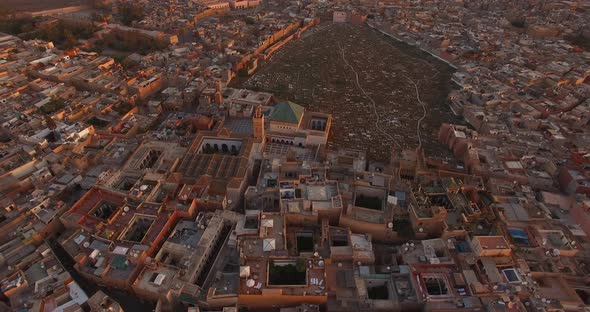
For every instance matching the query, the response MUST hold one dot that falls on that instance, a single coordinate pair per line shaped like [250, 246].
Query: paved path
[423, 109]
[374, 105]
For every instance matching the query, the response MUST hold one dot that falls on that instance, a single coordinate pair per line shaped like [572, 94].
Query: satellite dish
[86, 244]
[126, 209]
[390, 225]
[321, 263]
[420, 230]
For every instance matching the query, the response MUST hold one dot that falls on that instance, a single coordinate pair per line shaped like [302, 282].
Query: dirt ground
[39, 5]
[399, 89]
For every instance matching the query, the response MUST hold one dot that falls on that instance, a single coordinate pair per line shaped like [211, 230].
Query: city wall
[273, 43]
[421, 48]
[210, 12]
[281, 43]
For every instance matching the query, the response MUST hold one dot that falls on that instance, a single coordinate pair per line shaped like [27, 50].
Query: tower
[258, 124]
[218, 98]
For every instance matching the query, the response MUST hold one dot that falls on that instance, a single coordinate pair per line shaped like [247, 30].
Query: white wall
[339, 17]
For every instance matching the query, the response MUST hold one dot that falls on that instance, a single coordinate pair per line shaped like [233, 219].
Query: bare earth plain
[39, 5]
[399, 91]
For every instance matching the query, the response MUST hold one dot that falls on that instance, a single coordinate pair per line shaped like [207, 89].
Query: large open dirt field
[39, 5]
[381, 92]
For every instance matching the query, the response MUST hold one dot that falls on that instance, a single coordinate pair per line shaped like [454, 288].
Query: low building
[290, 124]
[490, 246]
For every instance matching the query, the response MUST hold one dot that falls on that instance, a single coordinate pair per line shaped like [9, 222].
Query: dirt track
[39, 5]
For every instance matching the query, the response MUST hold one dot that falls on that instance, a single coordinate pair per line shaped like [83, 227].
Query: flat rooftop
[492, 242]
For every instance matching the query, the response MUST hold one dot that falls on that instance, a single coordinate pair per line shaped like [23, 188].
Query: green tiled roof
[119, 262]
[288, 112]
[187, 298]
